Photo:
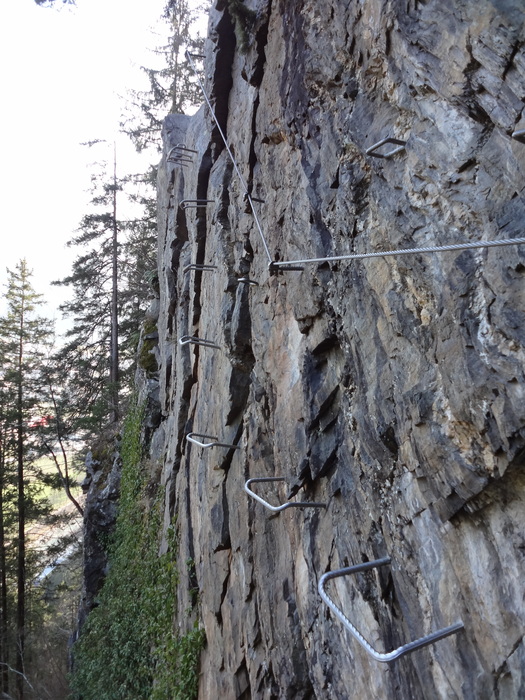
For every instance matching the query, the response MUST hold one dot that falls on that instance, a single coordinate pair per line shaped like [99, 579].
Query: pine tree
[90, 358]
[139, 263]
[110, 291]
[172, 87]
[7, 520]
[23, 336]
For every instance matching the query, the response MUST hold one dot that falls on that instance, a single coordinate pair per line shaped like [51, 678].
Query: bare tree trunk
[4, 654]
[21, 557]
[62, 472]
[114, 359]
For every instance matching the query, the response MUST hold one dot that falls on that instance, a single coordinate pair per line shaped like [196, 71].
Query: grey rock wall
[102, 488]
[391, 389]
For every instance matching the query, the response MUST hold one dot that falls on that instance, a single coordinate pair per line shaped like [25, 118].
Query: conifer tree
[110, 290]
[172, 86]
[90, 358]
[6, 523]
[23, 336]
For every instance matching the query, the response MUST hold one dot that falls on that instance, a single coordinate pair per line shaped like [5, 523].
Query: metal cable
[405, 251]
[334, 258]
[234, 162]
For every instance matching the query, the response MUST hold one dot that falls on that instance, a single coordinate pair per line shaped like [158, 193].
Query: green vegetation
[57, 400]
[147, 359]
[244, 19]
[128, 647]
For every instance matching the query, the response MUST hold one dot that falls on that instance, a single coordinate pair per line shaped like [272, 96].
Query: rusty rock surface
[390, 389]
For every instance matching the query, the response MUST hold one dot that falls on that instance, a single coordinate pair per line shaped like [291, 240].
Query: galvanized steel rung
[284, 506]
[377, 655]
[193, 340]
[198, 268]
[397, 142]
[184, 148]
[247, 196]
[215, 441]
[519, 135]
[180, 161]
[181, 154]
[285, 266]
[247, 280]
[176, 154]
[195, 203]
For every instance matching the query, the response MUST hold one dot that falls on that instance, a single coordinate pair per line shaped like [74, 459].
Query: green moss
[128, 647]
[147, 359]
[244, 20]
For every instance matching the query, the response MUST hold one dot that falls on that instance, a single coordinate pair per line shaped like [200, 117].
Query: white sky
[61, 70]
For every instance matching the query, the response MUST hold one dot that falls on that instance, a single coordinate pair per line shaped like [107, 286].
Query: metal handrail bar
[244, 186]
[193, 340]
[404, 251]
[200, 268]
[191, 437]
[377, 655]
[400, 147]
[278, 509]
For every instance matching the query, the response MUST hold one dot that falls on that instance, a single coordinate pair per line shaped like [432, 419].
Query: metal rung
[182, 147]
[377, 655]
[276, 266]
[277, 509]
[519, 135]
[193, 340]
[175, 155]
[180, 154]
[181, 161]
[247, 197]
[195, 203]
[400, 146]
[247, 280]
[198, 268]
[191, 437]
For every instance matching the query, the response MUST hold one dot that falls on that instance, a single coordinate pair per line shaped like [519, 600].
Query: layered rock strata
[390, 389]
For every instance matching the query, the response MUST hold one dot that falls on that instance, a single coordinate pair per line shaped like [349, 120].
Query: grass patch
[128, 647]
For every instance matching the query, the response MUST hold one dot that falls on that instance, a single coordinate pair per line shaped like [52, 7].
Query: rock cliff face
[390, 389]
